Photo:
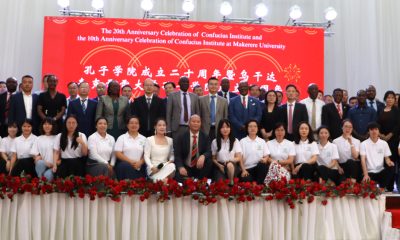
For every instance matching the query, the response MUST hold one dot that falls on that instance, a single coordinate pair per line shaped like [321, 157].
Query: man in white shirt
[374, 154]
[314, 106]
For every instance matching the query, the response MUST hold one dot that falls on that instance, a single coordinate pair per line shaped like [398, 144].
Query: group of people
[221, 135]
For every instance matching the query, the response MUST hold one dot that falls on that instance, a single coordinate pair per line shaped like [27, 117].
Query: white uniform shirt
[318, 111]
[304, 151]
[224, 155]
[327, 154]
[253, 151]
[22, 146]
[281, 150]
[69, 152]
[375, 154]
[43, 146]
[27, 104]
[101, 148]
[344, 148]
[132, 148]
[5, 146]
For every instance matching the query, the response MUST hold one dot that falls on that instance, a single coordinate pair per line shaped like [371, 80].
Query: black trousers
[194, 172]
[71, 166]
[383, 177]
[307, 172]
[217, 174]
[257, 173]
[25, 165]
[3, 165]
[352, 169]
[327, 173]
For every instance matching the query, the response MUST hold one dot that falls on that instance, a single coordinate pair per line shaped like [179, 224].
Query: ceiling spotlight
[63, 3]
[330, 14]
[261, 10]
[147, 5]
[226, 8]
[98, 4]
[188, 6]
[295, 12]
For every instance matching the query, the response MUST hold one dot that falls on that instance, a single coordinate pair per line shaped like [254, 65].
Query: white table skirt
[57, 216]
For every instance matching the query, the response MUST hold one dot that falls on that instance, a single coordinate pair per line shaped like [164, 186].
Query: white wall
[363, 51]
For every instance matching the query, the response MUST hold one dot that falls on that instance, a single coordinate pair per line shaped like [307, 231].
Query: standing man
[314, 106]
[11, 84]
[225, 93]
[242, 109]
[198, 90]
[334, 113]
[292, 113]
[361, 115]
[372, 101]
[100, 90]
[73, 94]
[213, 108]
[148, 108]
[23, 105]
[180, 106]
[84, 109]
[192, 150]
[127, 92]
[52, 103]
[169, 87]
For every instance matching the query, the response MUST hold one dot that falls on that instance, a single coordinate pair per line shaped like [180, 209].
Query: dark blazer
[331, 118]
[86, 121]
[380, 106]
[182, 148]
[146, 115]
[299, 115]
[3, 102]
[231, 95]
[17, 111]
[238, 115]
[174, 109]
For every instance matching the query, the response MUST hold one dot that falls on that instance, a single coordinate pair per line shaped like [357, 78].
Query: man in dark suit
[23, 105]
[192, 152]
[242, 109]
[148, 108]
[225, 93]
[292, 113]
[169, 87]
[84, 109]
[372, 101]
[100, 90]
[5, 98]
[180, 106]
[334, 113]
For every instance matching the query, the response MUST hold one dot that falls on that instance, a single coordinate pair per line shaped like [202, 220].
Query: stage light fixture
[63, 3]
[295, 12]
[187, 7]
[330, 14]
[261, 10]
[225, 8]
[147, 5]
[98, 4]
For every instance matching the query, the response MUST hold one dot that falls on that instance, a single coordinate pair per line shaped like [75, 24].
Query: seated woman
[101, 151]
[42, 149]
[226, 152]
[349, 152]
[5, 146]
[129, 150]
[255, 155]
[306, 152]
[159, 154]
[70, 148]
[22, 160]
[282, 152]
[328, 158]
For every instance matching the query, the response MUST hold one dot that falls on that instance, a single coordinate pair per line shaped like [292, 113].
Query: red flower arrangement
[295, 190]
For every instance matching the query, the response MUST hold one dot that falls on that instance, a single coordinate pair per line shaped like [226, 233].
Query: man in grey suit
[180, 106]
[213, 108]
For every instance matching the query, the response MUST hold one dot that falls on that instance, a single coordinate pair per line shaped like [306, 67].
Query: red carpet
[393, 206]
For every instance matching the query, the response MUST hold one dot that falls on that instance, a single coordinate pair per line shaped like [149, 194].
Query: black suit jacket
[148, 116]
[86, 121]
[3, 102]
[299, 115]
[182, 148]
[331, 118]
[17, 111]
[231, 94]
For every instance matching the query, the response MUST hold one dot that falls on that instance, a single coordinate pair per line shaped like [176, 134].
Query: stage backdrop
[131, 50]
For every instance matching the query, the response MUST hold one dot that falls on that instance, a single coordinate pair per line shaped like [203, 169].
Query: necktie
[224, 94]
[148, 102]
[212, 110]
[339, 110]
[83, 106]
[313, 115]
[244, 102]
[7, 107]
[371, 103]
[290, 120]
[185, 108]
[193, 159]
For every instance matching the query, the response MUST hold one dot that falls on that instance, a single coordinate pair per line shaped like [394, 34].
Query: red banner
[131, 50]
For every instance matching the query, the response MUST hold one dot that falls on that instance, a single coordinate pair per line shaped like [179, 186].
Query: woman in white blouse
[21, 160]
[129, 150]
[226, 152]
[349, 152]
[159, 153]
[70, 148]
[42, 149]
[255, 155]
[328, 158]
[5, 146]
[306, 152]
[101, 151]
